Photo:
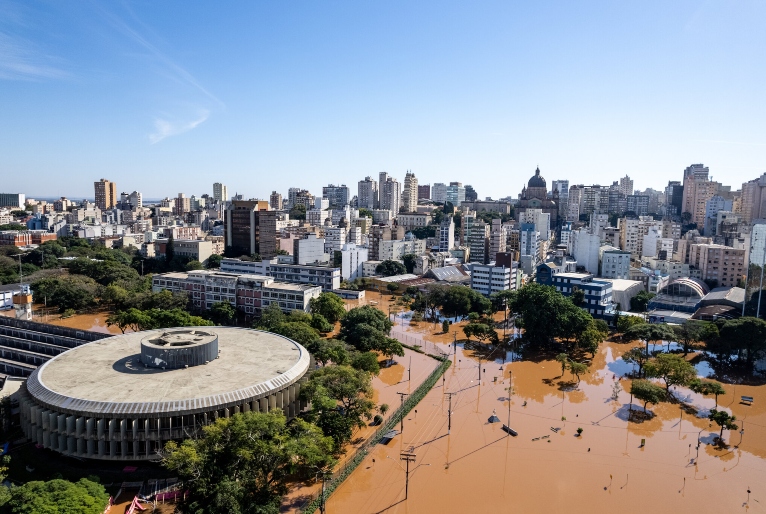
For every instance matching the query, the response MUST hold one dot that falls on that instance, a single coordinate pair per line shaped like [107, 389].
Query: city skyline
[480, 94]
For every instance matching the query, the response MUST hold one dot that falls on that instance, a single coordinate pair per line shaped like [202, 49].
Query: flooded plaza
[614, 466]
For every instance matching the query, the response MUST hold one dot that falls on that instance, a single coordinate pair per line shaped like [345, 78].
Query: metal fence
[332, 481]
[433, 349]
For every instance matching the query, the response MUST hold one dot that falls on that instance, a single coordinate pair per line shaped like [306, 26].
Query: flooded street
[477, 467]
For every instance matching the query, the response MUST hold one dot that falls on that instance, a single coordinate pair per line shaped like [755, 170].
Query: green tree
[271, 316]
[327, 350]
[214, 261]
[689, 334]
[392, 287]
[366, 361]
[193, 265]
[640, 302]
[638, 357]
[222, 313]
[724, 420]
[409, 260]
[319, 323]
[391, 347]
[648, 332]
[83, 497]
[132, 318]
[389, 268]
[366, 315]
[170, 250]
[480, 331]
[343, 390]
[329, 305]
[445, 326]
[672, 369]
[748, 336]
[646, 392]
[578, 296]
[707, 387]
[593, 335]
[114, 295]
[298, 212]
[577, 369]
[299, 332]
[457, 301]
[243, 464]
[365, 213]
[562, 359]
[625, 322]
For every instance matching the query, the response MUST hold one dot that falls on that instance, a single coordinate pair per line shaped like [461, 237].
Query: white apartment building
[220, 192]
[310, 250]
[447, 234]
[353, 258]
[334, 239]
[439, 192]
[584, 247]
[382, 216]
[328, 278]
[488, 278]
[367, 193]
[395, 250]
[410, 193]
[529, 241]
[541, 221]
[615, 264]
[391, 195]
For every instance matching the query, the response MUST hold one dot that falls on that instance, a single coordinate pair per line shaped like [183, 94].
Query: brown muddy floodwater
[479, 468]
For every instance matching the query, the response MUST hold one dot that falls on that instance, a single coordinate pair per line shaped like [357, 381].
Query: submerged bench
[747, 399]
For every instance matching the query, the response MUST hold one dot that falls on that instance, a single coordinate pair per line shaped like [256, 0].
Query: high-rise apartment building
[447, 234]
[382, 177]
[338, 196]
[14, 200]
[106, 194]
[275, 201]
[439, 192]
[424, 192]
[637, 204]
[455, 193]
[220, 193]
[753, 199]
[674, 196]
[698, 189]
[390, 195]
[626, 185]
[470, 194]
[251, 228]
[720, 265]
[367, 194]
[410, 193]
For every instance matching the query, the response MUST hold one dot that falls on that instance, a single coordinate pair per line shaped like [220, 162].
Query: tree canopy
[647, 392]
[672, 369]
[82, 497]
[243, 464]
[389, 268]
[329, 305]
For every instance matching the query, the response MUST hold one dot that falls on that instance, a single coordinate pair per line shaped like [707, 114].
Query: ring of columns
[100, 401]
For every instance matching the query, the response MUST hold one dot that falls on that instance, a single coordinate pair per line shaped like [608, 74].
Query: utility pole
[510, 392]
[408, 457]
[322, 502]
[479, 368]
[409, 371]
[449, 412]
[401, 411]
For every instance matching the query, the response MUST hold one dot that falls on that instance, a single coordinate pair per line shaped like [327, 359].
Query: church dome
[537, 180]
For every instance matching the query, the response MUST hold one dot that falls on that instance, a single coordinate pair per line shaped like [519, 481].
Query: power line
[408, 457]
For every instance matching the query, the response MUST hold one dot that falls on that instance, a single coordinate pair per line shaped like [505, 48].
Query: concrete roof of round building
[106, 377]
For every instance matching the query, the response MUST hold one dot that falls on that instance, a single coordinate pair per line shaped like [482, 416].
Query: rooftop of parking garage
[107, 377]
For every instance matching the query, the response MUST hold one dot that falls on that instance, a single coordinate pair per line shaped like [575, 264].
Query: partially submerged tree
[707, 387]
[671, 369]
[649, 332]
[636, 356]
[724, 420]
[577, 369]
[562, 359]
[646, 392]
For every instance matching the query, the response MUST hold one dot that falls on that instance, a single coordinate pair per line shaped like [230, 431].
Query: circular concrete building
[124, 397]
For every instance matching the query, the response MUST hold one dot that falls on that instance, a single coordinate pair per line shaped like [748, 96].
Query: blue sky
[168, 97]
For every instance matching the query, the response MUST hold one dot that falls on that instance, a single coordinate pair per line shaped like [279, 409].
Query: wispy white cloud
[20, 59]
[165, 128]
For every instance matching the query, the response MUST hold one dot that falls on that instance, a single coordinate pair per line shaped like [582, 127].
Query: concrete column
[291, 392]
[70, 425]
[123, 430]
[79, 426]
[226, 412]
[246, 407]
[81, 446]
[46, 419]
[71, 445]
[100, 429]
[272, 402]
[254, 406]
[136, 445]
[134, 426]
[89, 427]
[40, 436]
[112, 448]
[61, 443]
[264, 405]
[61, 423]
[90, 445]
[236, 409]
[112, 425]
[101, 448]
